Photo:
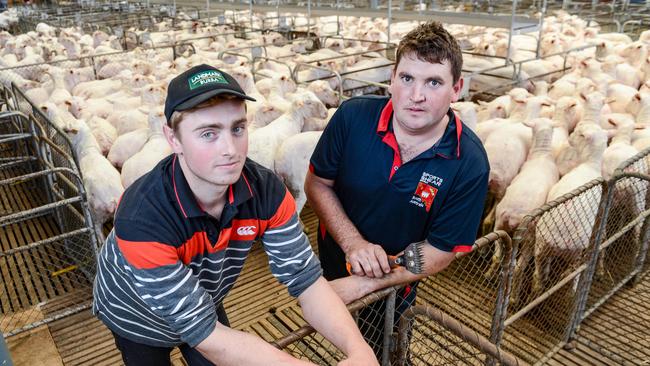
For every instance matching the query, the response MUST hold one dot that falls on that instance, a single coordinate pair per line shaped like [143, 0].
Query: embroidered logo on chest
[425, 192]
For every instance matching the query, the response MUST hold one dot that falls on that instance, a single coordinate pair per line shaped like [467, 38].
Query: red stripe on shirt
[462, 248]
[147, 254]
[284, 212]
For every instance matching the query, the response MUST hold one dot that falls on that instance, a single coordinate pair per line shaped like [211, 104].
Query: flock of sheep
[557, 129]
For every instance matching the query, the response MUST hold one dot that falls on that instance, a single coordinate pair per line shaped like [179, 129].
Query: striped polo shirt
[167, 264]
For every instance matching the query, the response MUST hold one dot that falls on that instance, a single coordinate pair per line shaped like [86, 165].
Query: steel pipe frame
[456, 328]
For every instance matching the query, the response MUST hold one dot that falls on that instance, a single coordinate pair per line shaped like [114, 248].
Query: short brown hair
[432, 43]
[177, 116]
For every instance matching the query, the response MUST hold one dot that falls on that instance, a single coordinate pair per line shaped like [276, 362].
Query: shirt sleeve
[326, 158]
[454, 229]
[291, 257]
[163, 282]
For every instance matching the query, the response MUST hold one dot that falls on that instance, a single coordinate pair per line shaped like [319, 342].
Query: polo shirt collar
[237, 193]
[449, 146]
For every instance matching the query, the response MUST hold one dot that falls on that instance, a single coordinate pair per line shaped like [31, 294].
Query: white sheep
[292, 163]
[562, 235]
[324, 92]
[104, 133]
[506, 149]
[523, 196]
[264, 142]
[101, 180]
[127, 145]
[619, 149]
[152, 152]
[318, 124]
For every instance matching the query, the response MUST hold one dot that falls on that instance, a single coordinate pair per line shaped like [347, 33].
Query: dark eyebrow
[435, 78]
[218, 125]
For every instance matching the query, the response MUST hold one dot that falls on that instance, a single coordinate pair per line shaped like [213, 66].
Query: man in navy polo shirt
[388, 172]
[183, 231]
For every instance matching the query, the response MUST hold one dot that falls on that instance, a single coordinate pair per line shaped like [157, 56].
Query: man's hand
[361, 358]
[366, 259]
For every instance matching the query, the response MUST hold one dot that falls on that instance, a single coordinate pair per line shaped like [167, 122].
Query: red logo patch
[426, 193]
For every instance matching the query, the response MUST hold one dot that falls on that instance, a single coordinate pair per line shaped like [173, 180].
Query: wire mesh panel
[621, 248]
[639, 163]
[469, 290]
[555, 244]
[428, 336]
[47, 258]
[306, 344]
[43, 262]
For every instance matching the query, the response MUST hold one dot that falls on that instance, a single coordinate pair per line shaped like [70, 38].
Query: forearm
[226, 346]
[337, 326]
[354, 287]
[328, 208]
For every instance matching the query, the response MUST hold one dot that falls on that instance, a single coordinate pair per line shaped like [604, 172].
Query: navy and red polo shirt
[437, 196]
[167, 263]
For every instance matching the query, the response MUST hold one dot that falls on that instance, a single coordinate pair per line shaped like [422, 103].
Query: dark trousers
[138, 354]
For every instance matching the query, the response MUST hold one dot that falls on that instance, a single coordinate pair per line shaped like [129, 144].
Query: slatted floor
[35, 282]
[260, 305]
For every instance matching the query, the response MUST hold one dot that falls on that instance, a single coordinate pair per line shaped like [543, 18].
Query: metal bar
[25, 215]
[49, 240]
[545, 295]
[455, 327]
[389, 321]
[584, 282]
[476, 19]
[36, 324]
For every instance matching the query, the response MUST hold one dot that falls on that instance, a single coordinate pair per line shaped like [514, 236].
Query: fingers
[382, 259]
[370, 261]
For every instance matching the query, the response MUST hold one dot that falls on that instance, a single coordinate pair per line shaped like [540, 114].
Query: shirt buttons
[395, 167]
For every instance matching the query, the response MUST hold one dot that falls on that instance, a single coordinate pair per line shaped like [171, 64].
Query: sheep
[467, 113]
[104, 133]
[567, 156]
[97, 88]
[619, 96]
[285, 85]
[566, 236]
[497, 108]
[264, 142]
[101, 180]
[292, 163]
[154, 150]
[318, 124]
[127, 145]
[506, 148]
[59, 116]
[324, 92]
[619, 149]
[567, 114]
[522, 197]
[85, 109]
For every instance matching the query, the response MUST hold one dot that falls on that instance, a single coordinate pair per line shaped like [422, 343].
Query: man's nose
[228, 145]
[416, 94]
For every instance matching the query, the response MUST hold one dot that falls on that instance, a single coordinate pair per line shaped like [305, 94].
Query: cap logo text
[206, 77]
